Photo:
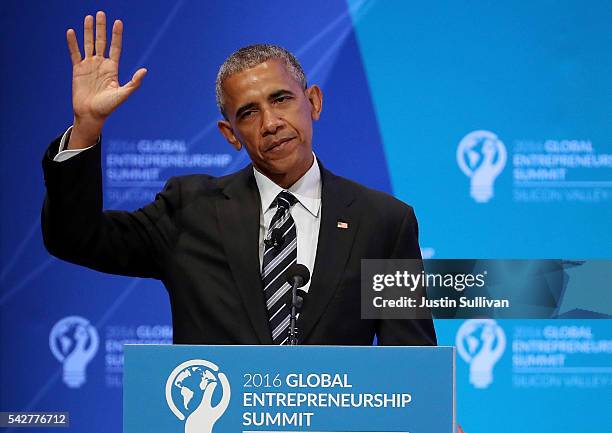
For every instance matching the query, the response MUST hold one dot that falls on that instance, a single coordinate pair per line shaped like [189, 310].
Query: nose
[271, 122]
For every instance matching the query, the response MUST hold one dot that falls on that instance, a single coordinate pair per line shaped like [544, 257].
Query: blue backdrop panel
[491, 119]
[534, 74]
[174, 114]
[494, 122]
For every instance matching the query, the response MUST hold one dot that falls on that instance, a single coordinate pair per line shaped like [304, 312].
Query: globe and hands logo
[481, 156]
[74, 342]
[190, 394]
[481, 343]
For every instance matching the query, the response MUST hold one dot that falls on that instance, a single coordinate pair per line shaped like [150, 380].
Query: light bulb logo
[481, 343]
[481, 156]
[193, 384]
[74, 342]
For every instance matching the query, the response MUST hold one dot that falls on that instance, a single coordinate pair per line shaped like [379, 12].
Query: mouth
[279, 145]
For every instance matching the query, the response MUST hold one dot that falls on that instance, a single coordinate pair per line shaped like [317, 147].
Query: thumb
[130, 87]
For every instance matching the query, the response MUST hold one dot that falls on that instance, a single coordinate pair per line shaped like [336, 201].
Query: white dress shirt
[306, 212]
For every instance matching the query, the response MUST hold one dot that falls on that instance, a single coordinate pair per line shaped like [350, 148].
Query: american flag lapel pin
[342, 225]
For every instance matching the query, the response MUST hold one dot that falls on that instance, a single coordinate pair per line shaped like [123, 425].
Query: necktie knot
[284, 200]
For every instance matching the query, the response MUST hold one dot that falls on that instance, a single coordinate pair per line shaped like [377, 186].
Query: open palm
[96, 92]
[95, 87]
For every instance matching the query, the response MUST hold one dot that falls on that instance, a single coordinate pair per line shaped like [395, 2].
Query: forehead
[258, 82]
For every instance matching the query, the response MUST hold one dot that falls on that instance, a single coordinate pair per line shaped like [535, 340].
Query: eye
[282, 98]
[246, 114]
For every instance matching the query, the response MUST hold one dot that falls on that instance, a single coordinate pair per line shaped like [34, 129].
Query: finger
[130, 87]
[139, 75]
[226, 393]
[100, 33]
[223, 380]
[88, 36]
[73, 47]
[459, 429]
[116, 40]
[136, 80]
[208, 393]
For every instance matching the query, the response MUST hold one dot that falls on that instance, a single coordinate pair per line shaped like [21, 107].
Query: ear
[315, 96]
[227, 132]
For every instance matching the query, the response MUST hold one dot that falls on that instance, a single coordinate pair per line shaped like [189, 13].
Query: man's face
[271, 116]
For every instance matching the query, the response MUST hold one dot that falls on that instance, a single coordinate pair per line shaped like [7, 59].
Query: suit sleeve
[407, 332]
[76, 229]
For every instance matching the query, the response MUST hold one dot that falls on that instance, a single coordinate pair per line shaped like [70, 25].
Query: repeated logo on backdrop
[481, 343]
[543, 171]
[540, 355]
[482, 157]
[74, 342]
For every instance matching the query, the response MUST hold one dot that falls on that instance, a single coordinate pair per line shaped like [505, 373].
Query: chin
[287, 164]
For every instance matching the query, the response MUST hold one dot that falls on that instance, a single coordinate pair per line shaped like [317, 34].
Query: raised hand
[96, 92]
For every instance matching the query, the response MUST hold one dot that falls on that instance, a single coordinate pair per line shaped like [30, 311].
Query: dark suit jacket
[200, 237]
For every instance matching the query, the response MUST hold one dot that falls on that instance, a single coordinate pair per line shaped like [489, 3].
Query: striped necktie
[280, 252]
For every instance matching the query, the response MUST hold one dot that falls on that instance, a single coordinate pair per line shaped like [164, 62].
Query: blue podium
[316, 389]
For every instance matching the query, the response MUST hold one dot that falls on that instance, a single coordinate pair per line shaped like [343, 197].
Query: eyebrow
[272, 96]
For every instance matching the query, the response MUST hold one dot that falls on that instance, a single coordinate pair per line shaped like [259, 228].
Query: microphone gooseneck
[298, 276]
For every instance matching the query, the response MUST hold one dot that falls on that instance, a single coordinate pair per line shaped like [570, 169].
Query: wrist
[84, 134]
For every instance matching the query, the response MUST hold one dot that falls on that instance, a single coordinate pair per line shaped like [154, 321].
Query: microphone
[275, 239]
[298, 276]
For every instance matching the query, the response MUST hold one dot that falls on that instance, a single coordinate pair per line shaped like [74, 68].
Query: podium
[278, 389]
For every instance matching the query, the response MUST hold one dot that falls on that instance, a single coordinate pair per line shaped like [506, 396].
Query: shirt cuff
[63, 155]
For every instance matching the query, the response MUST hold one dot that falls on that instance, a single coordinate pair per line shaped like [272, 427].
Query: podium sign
[317, 389]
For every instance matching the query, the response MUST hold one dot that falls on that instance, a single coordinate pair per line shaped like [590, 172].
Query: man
[221, 245]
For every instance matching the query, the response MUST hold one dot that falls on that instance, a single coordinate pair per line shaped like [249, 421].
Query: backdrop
[491, 119]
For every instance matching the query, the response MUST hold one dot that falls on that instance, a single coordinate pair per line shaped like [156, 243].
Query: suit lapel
[333, 249]
[238, 215]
